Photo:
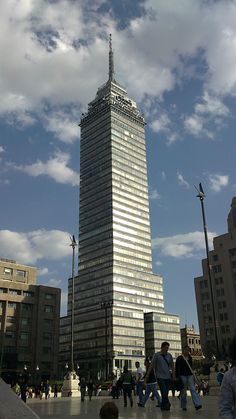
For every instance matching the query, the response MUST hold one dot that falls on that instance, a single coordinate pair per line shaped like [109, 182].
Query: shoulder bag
[196, 379]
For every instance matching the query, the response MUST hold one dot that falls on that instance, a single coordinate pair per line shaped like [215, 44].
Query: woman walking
[183, 370]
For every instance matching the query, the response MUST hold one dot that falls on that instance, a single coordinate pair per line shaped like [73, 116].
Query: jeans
[188, 382]
[151, 387]
[164, 385]
[115, 392]
[139, 390]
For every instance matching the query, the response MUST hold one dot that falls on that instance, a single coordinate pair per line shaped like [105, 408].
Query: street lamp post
[106, 305]
[36, 374]
[70, 383]
[73, 245]
[201, 195]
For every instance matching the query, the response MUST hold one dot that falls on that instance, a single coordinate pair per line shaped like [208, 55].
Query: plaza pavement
[66, 408]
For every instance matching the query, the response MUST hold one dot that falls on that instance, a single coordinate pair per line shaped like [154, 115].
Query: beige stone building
[223, 272]
[189, 337]
[29, 323]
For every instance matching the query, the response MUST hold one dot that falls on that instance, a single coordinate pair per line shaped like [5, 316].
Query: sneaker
[140, 405]
[158, 405]
[198, 407]
[184, 409]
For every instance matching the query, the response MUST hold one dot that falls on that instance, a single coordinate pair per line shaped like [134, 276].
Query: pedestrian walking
[151, 386]
[126, 380]
[139, 377]
[23, 390]
[46, 389]
[163, 366]
[115, 387]
[98, 389]
[41, 387]
[82, 385]
[227, 397]
[16, 388]
[90, 387]
[183, 371]
[55, 390]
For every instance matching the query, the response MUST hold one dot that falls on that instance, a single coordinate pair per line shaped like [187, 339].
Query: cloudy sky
[177, 59]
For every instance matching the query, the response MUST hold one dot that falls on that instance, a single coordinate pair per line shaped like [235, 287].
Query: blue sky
[177, 60]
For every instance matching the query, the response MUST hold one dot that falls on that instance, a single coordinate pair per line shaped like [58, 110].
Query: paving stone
[73, 407]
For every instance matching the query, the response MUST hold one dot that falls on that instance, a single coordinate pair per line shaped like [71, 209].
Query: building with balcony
[29, 323]
[191, 338]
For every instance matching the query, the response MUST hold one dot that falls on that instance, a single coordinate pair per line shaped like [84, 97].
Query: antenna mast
[111, 60]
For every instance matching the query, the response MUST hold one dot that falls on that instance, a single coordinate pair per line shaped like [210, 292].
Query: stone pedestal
[70, 387]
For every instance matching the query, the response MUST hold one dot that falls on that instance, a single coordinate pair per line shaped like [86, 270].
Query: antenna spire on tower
[111, 60]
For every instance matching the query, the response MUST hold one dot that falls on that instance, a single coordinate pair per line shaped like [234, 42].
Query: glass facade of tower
[115, 284]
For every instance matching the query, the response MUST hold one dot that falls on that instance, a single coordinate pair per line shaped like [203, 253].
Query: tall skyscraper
[115, 284]
[223, 272]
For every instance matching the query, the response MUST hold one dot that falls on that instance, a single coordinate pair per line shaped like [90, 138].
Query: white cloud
[158, 263]
[4, 181]
[60, 56]
[56, 168]
[63, 124]
[211, 28]
[154, 194]
[164, 124]
[211, 105]
[172, 137]
[35, 245]
[161, 124]
[47, 65]
[2, 150]
[194, 124]
[182, 245]
[64, 298]
[209, 109]
[182, 181]
[163, 175]
[42, 271]
[54, 282]
[217, 182]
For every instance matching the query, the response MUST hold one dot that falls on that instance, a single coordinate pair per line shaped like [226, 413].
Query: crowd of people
[161, 370]
[155, 381]
[25, 391]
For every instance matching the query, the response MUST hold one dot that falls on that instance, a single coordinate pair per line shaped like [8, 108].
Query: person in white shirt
[139, 381]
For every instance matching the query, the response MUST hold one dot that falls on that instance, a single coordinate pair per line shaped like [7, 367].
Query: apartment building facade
[223, 273]
[29, 323]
